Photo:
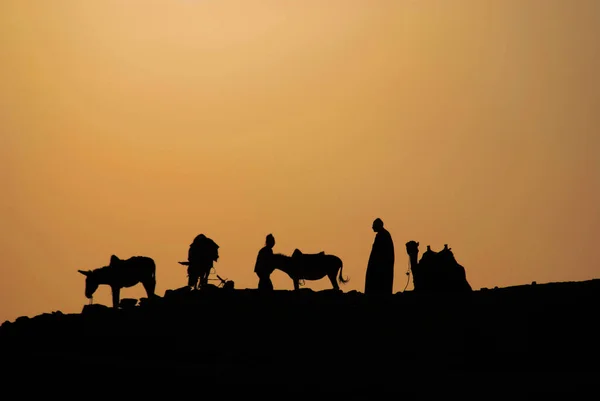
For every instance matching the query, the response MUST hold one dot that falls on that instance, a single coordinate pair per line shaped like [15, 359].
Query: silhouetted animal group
[435, 272]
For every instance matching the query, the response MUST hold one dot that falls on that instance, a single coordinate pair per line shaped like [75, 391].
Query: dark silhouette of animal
[310, 266]
[122, 273]
[203, 252]
[436, 271]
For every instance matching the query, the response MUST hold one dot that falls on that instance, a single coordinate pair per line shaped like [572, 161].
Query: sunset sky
[129, 127]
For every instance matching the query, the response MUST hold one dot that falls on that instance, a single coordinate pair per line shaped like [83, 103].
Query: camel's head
[91, 285]
[412, 248]
[270, 241]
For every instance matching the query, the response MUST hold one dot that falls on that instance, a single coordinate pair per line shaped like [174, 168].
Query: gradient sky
[129, 127]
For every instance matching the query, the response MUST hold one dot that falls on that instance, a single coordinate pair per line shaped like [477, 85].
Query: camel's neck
[414, 259]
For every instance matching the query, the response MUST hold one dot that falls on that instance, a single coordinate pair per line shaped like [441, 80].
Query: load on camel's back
[436, 271]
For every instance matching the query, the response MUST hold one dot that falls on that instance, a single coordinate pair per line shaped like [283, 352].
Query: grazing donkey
[122, 273]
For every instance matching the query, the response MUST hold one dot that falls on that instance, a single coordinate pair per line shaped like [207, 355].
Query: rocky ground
[328, 340]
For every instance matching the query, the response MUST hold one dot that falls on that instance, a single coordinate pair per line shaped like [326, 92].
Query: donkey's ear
[114, 259]
[85, 273]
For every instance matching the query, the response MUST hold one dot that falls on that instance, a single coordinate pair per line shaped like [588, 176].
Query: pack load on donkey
[203, 252]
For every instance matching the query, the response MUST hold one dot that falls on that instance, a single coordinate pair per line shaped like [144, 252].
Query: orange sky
[129, 127]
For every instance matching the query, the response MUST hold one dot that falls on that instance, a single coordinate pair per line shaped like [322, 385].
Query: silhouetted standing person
[264, 265]
[201, 255]
[380, 269]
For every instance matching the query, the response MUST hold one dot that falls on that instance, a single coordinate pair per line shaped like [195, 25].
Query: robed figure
[264, 265]
[380, 269]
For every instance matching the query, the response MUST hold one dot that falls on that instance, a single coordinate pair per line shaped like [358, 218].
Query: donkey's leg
[116, 292]
[332, 278]
[149, 286]
[192, 280]
[204, 277]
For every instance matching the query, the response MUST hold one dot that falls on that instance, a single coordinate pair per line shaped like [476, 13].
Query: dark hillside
[242, 336]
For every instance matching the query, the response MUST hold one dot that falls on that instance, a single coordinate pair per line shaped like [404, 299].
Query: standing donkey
[122, 273]
[310, 266]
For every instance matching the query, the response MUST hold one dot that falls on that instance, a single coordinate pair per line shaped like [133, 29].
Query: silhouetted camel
[436, 271]
[122, 273]
[310, 266]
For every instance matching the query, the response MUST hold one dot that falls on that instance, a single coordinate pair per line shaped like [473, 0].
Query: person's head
[270, 241]
[199, 238]
[377, 225]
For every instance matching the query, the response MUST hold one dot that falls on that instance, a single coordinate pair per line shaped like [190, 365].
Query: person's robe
[380, 268]
[263, 268]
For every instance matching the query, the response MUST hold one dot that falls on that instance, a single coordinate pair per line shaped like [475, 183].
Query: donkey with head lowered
[310, 266]
[122, 273]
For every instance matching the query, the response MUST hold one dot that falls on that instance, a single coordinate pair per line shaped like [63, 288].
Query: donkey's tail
[340, 277]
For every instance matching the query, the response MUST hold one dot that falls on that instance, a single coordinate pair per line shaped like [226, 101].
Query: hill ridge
[241, 335]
